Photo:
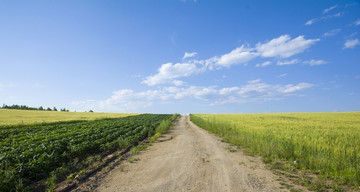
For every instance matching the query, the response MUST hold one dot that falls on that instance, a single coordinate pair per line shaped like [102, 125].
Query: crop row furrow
[31, 152]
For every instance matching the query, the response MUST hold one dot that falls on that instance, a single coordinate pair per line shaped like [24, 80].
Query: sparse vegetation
[133, 160]
[163, 128]
[136, 149]
[165, 124]
[155, 137]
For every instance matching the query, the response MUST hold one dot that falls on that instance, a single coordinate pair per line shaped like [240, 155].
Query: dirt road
[189, 158]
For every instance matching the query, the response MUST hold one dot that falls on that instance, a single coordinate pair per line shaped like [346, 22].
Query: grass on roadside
[324, 144]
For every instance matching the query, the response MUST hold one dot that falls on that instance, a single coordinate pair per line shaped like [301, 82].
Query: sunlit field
[31, 153]
[327, 144]
[14, 117]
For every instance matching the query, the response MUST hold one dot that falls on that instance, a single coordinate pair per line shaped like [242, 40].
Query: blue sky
[181, 56]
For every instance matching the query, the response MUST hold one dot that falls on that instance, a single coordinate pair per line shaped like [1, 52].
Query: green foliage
[155, 137]
[163, 128]
[24, 107]
[165, 124]
[136, 149]
[33, 152]
[327, 144]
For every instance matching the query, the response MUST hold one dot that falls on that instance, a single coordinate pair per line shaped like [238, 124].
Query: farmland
[31, 152]
[14, 117]
[326, 144]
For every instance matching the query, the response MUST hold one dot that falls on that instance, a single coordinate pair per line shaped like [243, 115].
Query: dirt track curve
[189, 158]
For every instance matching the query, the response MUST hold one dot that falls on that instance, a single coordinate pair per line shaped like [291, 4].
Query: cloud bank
[127, 100]
[284, 46]
[170, 71]
[281, 47]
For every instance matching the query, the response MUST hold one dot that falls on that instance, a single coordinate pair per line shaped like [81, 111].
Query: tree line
[24, 107]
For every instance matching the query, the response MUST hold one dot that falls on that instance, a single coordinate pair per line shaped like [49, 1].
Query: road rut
[189, 158]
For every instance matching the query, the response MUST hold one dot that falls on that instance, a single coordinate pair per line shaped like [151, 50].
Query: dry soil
[189, 158]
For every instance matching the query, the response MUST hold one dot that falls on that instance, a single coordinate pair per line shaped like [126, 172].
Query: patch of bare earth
[189, 158]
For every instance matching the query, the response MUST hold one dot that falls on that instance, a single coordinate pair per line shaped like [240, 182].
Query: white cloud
[329, 9]
[171, 71]
[310, 22]
[264, 64]
[197, 92]
[184, 1]
[326, 17]
[254, 81]
[294, 61]
[127, 100]
[357, 22]
[178, 82]
[282, 75]
[330, 16]
[351, 43]
[291, 88]
[237, 56]
[313, 62]
[332, 33]
[284, 46]
[188, 55]
[258, 92]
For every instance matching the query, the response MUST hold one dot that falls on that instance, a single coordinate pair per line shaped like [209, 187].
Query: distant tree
[24, 107]
[66, 110]
[91, 111]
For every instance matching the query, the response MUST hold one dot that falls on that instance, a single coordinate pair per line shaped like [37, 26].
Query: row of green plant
[29, 153]
[163, 127]
[327, 144]
[77, 168]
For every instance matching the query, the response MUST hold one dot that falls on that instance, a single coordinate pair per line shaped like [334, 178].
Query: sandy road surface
[190, 159]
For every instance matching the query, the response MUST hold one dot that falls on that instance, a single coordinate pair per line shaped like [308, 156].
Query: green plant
[155, 137]
[34, 151]
[326, 144]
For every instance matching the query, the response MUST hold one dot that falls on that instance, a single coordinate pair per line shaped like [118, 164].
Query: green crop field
[327, 144]
[32, 152]
[14, 117]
